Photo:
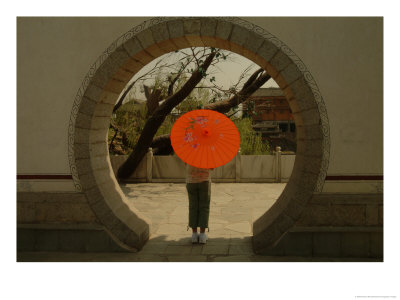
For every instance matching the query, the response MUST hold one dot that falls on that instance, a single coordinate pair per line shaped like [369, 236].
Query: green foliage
[131, 117]
[251, 142]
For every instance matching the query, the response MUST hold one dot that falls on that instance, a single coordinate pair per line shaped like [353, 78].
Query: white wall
[343, 54]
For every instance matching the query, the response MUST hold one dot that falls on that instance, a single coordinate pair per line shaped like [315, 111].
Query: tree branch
[157, 118]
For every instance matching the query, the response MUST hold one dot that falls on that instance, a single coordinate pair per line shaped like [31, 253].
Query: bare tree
[159, 108]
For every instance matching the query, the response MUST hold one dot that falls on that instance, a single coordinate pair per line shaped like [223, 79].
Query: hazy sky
[226, 75]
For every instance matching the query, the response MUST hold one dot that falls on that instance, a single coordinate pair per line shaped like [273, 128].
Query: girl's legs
[204, 204]
[192, 189]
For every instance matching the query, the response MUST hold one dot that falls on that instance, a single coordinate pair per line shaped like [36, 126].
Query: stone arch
[90, 117]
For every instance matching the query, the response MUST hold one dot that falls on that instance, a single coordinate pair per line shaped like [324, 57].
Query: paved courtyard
[234, 207]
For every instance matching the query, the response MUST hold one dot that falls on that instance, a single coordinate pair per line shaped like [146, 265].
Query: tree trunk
[158, 117]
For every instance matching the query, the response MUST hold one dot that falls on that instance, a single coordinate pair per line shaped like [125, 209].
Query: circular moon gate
[91, 114]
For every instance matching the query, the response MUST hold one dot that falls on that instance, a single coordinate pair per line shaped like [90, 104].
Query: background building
[272, 116]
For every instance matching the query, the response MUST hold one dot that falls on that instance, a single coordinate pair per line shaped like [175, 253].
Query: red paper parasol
[205, 139]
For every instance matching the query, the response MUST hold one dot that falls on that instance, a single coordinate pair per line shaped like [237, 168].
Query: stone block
[294, 105]
[354, 244]
[119, 229]
[291, 73]
[97, 241]
[108, 97]
[326, 244]
[305, 184]
[100, 122]
[176, 33]
[84, 166]
[313, 132]
[160, 32]
[103, 110]
[71, 241]
[46, 240]
[310, 147]
[81, 151]
[118, 57]
[88, 181]
[26, 212]
[311, 117]
[110, 66]
[280, 61]
[380, 216]
[92, 92]
[155, 51]
[315, 215]
[167, 46]
[308, 164]
[191, 26]
[98, 136]
[207, 31]
[280, 80]
[145, 39]
[348, 215]
[60, 212]
[80, 213]
[222, 44]
[175, 28]
[223, 29]
[294, 209]
[115, 86]
[267, 50]
[301, 91]
[87, 106]
[253, 42]
[265, 237]
[132, 243]
[81, 135]
[191, 29]
[284, 222]
[143, 57]
[372, 215]
[25, 240]
[133, 66]
[297, 244]
[104, 214]
[376, 244]
[298, 118]
[133, 46]
[93, 195]
[99, 163]
[238, 38]
[277, 250]
[123, 74]
[83, 121]
[239, 35]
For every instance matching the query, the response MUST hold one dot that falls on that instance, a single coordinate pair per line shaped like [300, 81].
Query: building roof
[268, 92]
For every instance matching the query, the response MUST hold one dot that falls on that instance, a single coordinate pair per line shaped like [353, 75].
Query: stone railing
[242, 168]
